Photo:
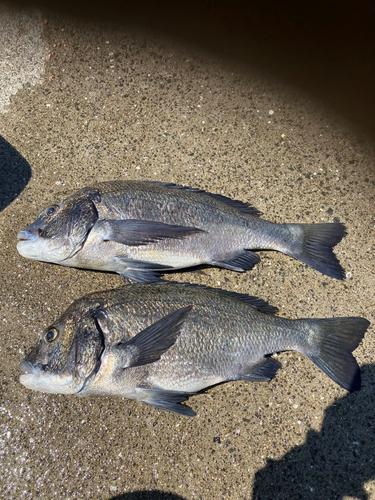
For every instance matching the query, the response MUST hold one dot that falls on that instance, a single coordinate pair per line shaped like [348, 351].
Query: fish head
[61, 229]
[67, 355]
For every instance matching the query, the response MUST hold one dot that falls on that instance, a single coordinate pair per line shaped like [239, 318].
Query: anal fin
[263, 372]
[241, 261]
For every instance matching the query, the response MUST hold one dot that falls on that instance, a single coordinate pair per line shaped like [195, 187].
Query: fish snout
[27, 235]
[26, 366]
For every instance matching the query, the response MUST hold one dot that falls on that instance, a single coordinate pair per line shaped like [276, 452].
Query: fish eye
[51, 334]
[51, 210]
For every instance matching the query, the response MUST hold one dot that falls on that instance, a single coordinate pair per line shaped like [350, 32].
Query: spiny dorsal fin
[241, 206]
[259, 304]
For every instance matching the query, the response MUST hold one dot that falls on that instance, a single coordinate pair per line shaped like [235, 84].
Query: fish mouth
[27, 235]
[33, 374]
[36, 378]
[33, 244]
[27, 367]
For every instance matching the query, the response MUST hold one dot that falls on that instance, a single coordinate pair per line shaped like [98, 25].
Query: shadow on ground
[327, 48]
[15, 173]
[148, 495]
[333, 463]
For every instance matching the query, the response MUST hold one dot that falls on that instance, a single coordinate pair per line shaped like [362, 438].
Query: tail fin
[314, 246]
[331, 346]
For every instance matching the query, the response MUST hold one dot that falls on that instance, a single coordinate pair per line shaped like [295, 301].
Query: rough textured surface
[23, 51]
[120, 103]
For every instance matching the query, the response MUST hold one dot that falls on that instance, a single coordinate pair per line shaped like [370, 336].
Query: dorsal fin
[241, 206]
[259, 304]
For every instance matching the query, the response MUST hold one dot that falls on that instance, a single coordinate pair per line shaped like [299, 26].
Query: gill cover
[61, 229]
[74, 220]
[62, 363]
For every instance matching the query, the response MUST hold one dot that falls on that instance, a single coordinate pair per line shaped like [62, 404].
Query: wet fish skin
[139, 228]
[66, 233]
[73, 356]
[209, 337]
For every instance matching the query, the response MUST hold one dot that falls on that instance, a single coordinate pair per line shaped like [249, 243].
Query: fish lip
[27, 367]
[27, 235]
[26, 248]
[33, 373]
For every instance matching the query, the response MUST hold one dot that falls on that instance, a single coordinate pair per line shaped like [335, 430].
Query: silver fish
[161, 343]
[138, 229]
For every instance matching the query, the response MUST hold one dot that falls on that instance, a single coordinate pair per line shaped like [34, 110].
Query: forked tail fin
[330, 344]
[313, 246]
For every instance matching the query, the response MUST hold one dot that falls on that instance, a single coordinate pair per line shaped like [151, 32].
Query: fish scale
[160, 343]
[139, 229]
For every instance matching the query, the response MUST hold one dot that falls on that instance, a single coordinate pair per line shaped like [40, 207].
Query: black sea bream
[139, 229]
[160, 343]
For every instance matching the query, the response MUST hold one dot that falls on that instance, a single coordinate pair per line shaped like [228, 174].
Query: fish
[162, 342]
[141, 229]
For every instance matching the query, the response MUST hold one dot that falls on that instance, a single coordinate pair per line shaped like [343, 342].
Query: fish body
[138, 228]
[160, 343]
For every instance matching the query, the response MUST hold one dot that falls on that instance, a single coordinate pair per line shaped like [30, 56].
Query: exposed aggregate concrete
[117, 104]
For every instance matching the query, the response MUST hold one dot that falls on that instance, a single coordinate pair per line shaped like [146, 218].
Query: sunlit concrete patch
[23, 52]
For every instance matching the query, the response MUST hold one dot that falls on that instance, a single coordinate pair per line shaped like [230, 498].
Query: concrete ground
[83, 101]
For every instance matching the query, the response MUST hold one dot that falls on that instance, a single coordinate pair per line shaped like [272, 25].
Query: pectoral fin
[148, 345]
[134, 232]
[167, 400]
